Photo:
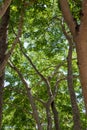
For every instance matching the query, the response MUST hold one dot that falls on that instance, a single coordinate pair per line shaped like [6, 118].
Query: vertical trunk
[75, 110]
[80, 37]
[3, 48]
[1, 97]
[56, 118]
[81, 48]
[49, 119]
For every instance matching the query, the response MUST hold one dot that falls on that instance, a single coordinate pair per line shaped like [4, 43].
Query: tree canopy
[42, 88]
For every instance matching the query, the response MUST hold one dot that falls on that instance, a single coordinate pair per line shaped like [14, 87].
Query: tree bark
[81, 48]
[56, 118]
[4, 7]
[1, 97]
[3, 48]
[75, 110]
[49, 119]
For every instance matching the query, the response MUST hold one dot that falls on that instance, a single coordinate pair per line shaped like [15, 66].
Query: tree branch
[67, 15]
[68, 37]
[30, 96]
[55, 72]
[37, 71]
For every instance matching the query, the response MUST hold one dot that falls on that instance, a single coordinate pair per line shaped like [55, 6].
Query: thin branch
[40, 100]
[55, 72]
[19, 73]
[54, 94]
[56, 86]
[68, 37]
[37, 71]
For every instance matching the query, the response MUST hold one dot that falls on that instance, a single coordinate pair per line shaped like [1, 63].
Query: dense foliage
[42, 50]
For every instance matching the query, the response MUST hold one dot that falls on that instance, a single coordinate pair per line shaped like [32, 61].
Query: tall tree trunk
[75, 110]
[56, 118]
[49, 119]
[81, 49]
[3, 48]
[1, 97]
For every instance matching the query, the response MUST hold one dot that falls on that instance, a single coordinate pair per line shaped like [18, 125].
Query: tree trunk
[56, 118]
[3, 48]
[75, 110]
[81, 49]
[49, 119]
[1, 97]
[80, 38]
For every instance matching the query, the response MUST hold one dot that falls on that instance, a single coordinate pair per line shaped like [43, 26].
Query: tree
[75, 109]
[42, 85]
[79, 33]
[3, 48]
